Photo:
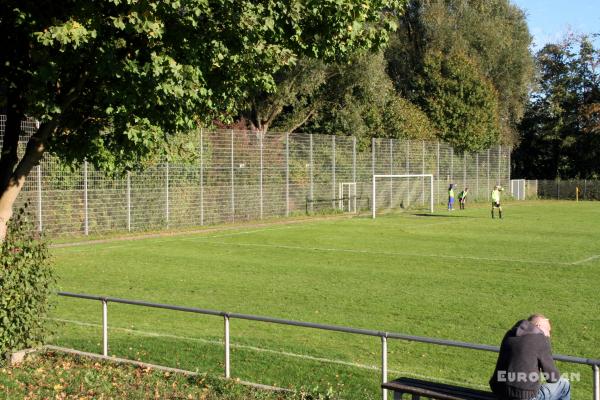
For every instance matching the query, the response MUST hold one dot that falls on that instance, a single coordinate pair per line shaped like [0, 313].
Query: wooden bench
[433, 390]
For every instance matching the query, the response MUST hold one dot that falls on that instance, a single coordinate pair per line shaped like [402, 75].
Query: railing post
[39, 196]
[128, 201]
[201, 176]
[384, 365]
[227, 358]
[85, 198]
[105, 327]
[596, 382]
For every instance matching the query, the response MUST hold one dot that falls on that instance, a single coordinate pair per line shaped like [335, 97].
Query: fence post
[584, 192]
[438, 171]
[384, 365]
[373, 195]
[260, 144]
[488, 174]
[85, 198]
[499, 164]
[423, 178]
[557, 190]
[408, 172]
[391, 144]
[596, 382]
[477, 177]
[333, 170]
[451, 165]
[353, 173]
[201, 176]
[227, 358]
[105, 327]
[232, 183]
[128, 201]
[464, 170]
[311, 172]
[167, 192]
[39, 196]
[287, 174]
[509, 165]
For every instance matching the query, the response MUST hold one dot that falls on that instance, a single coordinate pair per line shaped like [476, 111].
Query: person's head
[541, 322]
[450, 187]
[466, 189]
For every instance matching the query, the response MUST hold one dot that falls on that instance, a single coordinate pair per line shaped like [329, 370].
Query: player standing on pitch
[462, 198]
[496, 200]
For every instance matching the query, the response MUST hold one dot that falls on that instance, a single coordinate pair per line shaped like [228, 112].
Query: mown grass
[458, 275]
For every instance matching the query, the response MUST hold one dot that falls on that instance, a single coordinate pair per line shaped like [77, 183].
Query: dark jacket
[523, 353]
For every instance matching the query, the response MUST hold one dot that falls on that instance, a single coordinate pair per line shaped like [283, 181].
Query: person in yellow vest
[496, 200]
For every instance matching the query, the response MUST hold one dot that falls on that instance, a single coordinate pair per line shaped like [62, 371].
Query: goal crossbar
[377, 176]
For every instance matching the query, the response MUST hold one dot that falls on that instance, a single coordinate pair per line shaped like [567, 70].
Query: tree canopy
[491, 38]
[560, 133]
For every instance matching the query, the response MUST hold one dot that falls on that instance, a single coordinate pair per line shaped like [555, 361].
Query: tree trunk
[33, 154]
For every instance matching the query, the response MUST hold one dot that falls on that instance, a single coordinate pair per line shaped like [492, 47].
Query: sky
[551, 20]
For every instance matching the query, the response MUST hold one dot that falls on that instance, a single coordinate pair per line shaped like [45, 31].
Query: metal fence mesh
[242, 175]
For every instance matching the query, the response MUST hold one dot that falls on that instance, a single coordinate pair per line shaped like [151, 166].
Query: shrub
[26, 281]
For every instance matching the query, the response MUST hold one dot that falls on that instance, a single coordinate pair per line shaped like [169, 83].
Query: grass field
[458, 275]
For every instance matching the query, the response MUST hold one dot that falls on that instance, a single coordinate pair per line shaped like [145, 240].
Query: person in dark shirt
[525, 358]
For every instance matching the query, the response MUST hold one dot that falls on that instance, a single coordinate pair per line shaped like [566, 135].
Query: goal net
[394, 192]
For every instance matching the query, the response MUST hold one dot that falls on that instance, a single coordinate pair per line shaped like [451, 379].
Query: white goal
[347, 196]
[426, 189]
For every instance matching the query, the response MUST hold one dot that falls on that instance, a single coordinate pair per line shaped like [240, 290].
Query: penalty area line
[591, 258]
[386, 253]
[259, 350]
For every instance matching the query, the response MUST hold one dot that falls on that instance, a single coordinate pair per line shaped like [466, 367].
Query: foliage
[112, 80]
[355, 97]
[26, 282]
[491, 34]
[461, 103]
[560, 134]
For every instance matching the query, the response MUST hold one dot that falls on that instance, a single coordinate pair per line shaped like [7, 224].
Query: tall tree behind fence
[242, 175]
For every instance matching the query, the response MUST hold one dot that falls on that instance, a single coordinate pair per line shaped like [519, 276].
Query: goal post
[380, 176]
[347, 191]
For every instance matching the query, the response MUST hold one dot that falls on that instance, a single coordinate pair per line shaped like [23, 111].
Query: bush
[26, 281]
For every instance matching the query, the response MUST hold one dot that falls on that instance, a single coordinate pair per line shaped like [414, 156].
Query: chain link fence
[573, 189]
[241, 175]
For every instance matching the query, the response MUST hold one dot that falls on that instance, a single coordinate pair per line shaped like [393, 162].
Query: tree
[355, 96]
[460, 103]
[491, 34]
[560, 133]
[112, 80]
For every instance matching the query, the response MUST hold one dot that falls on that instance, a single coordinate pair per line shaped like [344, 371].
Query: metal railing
[594, 363]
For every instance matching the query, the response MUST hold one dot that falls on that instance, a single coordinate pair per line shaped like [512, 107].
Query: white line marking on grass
[387, 253]
[586, 260]
[196, 237]
[260, 350]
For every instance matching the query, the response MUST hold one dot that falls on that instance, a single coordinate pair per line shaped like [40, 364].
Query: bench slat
[436, 390]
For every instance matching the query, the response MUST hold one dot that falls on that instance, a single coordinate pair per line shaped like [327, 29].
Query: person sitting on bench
[525, 350]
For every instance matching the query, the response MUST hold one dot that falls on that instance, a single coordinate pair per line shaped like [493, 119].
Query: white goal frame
[351, 196]
[377, 176]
